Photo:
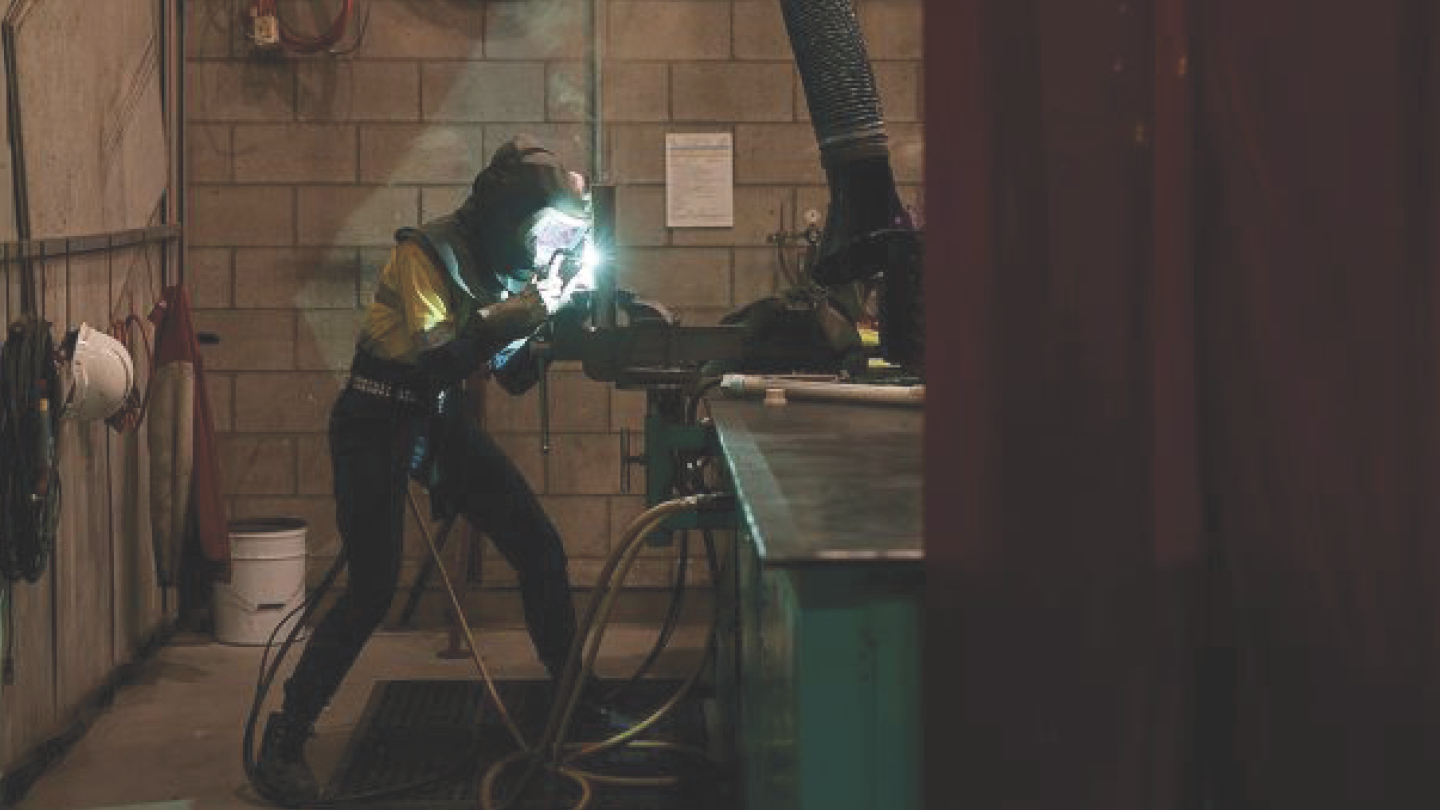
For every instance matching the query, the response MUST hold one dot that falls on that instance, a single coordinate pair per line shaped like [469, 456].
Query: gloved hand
[515, 317]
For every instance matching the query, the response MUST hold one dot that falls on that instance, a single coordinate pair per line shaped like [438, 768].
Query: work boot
[282, 773]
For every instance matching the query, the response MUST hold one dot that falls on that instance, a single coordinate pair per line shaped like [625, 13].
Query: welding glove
[488, 331]
[513, 318]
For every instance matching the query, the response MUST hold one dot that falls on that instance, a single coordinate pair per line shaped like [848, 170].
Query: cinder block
[420, 153]
[524, 450]
[314, 474]
[358, 90]
[208, 153]
[627, 411]
[295, 153]
[637, 91]
[571, 142]
[898, 84]
[777, 153]
[483, 91]
[907, 152]
[288, 402]
[733, 91]
[567, 91]
[583, 522]
[635, 153]
[437, 201]
[578, 404]
[355, 215]
[812, 198]
[676, 277]
[758, 274]
[759, 212]
[209, 273]
[913, 196]
[669, 30]
[209, 27]
[624, 509]
[538, 29]
[250, 340]
[640, 216]
[760, 31]
[900, 90]
[647, 572]
[894, 29]
[220, 392]
[423, 29]
[309, 278]
[226, 216]
[322, 538]
[325, 338]
[584, 464]
[251, 90]
[256, 465]
[505, 413]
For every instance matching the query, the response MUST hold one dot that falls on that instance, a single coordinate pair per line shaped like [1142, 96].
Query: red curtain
[1183, 504]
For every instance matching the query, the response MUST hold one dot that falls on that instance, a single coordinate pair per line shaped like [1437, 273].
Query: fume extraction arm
[868, 232]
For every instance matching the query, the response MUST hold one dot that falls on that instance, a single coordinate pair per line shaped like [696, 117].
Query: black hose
[845, 111]
[29, 432]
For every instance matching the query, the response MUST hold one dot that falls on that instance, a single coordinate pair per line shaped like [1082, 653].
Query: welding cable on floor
[29, 433]
[553, 752]
[683, 486]
[270, 668]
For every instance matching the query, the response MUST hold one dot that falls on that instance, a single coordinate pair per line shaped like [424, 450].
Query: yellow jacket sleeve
[412, 311]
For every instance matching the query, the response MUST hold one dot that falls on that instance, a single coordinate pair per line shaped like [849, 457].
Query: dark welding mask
[528, 213]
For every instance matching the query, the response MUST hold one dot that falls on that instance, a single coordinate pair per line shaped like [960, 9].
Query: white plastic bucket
[267, 580]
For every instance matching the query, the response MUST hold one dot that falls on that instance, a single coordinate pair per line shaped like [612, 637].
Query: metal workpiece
[825, 483]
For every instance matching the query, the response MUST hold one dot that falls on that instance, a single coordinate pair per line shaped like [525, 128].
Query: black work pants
[375, 447]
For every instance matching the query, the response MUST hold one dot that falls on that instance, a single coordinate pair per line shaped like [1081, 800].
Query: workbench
[818, 664]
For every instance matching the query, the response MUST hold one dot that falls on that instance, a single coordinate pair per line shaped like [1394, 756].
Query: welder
[457, 295]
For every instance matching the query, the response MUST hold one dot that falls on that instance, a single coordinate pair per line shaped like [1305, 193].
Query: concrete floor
[175, 734]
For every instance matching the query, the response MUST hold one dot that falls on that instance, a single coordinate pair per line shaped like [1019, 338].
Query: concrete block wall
[300, 168]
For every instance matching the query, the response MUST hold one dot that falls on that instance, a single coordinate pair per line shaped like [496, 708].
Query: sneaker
[282, 775]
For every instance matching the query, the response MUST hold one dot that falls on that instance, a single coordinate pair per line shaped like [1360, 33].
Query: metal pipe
[595, 55]
[741, 385]
[602, 200]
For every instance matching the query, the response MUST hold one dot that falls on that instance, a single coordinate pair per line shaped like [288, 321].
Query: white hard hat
[100, 376]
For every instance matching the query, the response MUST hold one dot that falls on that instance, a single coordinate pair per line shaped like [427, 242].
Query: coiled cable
[29, 435]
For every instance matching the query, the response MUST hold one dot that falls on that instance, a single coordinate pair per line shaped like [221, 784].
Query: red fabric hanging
[1239, 261]
[1317, 317]
[1062, 545]
[176, 343]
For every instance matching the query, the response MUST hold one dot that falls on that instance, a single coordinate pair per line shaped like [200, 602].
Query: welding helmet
[99, 374]
[525, 208]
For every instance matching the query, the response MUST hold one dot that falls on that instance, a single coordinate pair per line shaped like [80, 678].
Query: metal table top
[823, 483]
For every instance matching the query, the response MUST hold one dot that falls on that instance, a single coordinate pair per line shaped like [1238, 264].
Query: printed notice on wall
[699, 180]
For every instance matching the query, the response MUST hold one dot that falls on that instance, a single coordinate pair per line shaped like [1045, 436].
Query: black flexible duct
[865, 211]
[868, 231]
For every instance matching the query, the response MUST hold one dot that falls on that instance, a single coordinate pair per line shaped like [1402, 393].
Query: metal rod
[27, 249]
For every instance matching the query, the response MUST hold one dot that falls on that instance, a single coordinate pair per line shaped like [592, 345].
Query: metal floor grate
[442, 734]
